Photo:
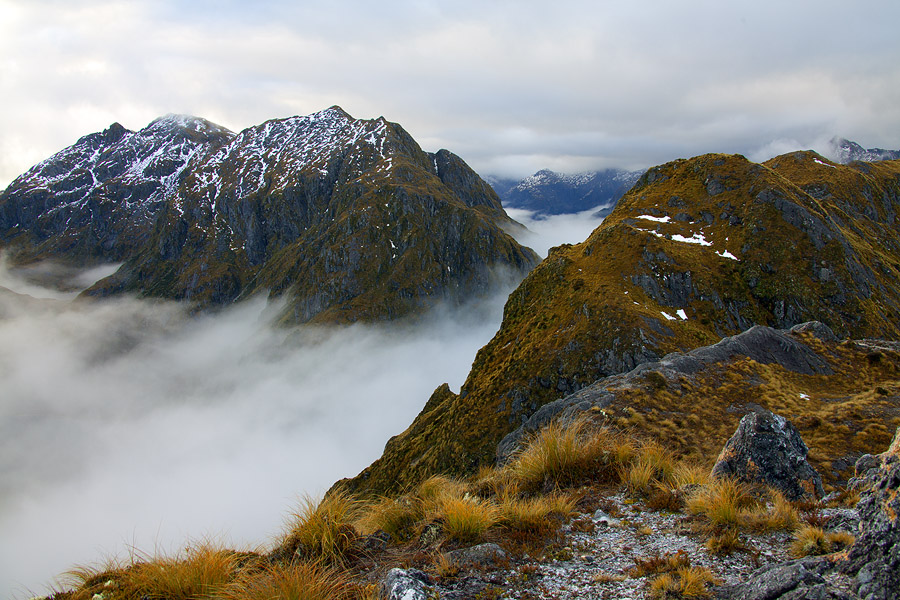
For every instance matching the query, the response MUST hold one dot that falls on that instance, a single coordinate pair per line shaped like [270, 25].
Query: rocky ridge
[697, 250]
[346, 219]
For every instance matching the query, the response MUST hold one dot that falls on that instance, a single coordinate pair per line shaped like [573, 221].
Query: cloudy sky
[511, 86]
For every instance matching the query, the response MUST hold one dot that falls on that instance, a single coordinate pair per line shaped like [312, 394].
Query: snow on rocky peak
[274, 152]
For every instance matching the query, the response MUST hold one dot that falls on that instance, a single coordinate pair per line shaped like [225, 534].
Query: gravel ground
[598, 550]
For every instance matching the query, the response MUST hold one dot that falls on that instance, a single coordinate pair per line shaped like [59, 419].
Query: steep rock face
[697, 250]
[347, 219]
[550, 193]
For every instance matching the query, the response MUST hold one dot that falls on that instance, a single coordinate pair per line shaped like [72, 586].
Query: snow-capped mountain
[846, 151]
[550, 193]
[348, 217]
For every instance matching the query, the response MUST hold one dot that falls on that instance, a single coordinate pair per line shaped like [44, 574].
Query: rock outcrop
[767, 449]
[869, 570]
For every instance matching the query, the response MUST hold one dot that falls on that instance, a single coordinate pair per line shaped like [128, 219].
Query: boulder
[767, 449]
[483, 555]
[404, 584]
[869, 570]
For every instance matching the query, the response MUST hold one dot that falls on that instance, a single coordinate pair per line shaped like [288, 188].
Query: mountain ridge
[350, 218]
[698, 249]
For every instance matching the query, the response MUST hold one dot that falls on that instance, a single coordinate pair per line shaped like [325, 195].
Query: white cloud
[126, 423]
[545, 232]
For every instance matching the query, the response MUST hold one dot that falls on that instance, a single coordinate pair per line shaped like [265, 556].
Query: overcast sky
[511, 86]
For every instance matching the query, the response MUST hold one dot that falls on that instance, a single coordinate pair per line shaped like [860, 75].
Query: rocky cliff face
[697, 250]
[347, 219]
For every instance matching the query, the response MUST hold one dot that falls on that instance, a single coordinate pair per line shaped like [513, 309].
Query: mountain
[345, 219]
[846, 151]
[698, 249]
[550, 193]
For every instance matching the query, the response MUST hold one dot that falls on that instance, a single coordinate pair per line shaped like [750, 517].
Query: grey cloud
[657, 80]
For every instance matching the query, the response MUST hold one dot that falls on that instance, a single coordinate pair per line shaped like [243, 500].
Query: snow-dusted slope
[332, 210]
[548, 192]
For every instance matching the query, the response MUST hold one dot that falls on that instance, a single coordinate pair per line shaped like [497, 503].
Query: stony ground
[597, 552]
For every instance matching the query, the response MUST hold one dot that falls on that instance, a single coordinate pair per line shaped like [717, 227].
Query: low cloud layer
[544, 232]
[128, 424]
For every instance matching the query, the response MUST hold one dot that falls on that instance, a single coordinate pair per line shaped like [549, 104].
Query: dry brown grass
[395, 516]
[300, 581]
[560, 456]
[203, 570]
[814, 541]
[323, 531]
[685, 582]
[467, 519]
[655, 564]
[721, 502]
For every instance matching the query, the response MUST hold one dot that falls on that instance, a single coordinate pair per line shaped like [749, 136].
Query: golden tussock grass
[656, 564]
[467, 519]
[560, 456]
[814, 541]
[323, 531]
[203, 570]
[685, 582]
[300, 581]
[721, 502]
[395, 516]
[533, 515]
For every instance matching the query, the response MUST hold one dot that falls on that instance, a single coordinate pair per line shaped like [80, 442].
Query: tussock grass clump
[814, 541]
[467, 519]
[395, 516]
[656, 564]
[690, 474]
[435, 490]
[720, 502]
[560, 456]
[639, 477]
[324, 531]
[725, 542]
[533, 515]
[780, 515]
[685, 582]
[300, 581]
[203, 570]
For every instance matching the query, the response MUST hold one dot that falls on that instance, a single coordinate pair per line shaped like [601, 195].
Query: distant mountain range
[347, 219]
[550, 193]
[846, 151]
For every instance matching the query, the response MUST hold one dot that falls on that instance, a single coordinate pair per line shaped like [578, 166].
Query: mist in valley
[127, 425]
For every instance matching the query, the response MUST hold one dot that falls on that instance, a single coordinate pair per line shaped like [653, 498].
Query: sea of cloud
[129, 425]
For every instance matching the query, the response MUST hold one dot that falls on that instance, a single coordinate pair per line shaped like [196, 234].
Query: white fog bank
[126, 424]
[544, 232]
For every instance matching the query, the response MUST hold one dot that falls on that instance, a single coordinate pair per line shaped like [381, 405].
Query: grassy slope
[814, 241]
